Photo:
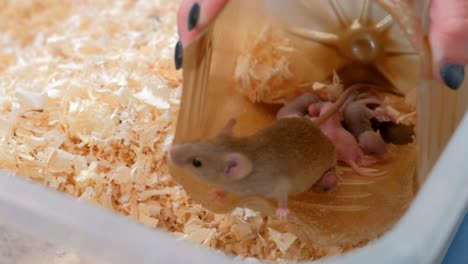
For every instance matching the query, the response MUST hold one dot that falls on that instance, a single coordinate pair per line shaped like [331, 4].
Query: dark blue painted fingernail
[453, 75]
[193, 16]
[178, 54]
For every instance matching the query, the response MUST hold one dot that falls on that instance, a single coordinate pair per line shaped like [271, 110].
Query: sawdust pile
[88, 101]
[263, 69]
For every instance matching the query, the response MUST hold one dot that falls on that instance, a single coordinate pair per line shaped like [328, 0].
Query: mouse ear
[236, 166]
[228, 128]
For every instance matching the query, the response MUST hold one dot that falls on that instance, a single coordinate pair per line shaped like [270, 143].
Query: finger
[195, 15]
[185, 34]
[448, 36]
[192, 17]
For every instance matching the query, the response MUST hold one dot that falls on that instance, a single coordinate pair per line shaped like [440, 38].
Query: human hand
[448, 34]
[192, 18]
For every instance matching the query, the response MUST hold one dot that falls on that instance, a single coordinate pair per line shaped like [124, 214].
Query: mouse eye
[196, 163]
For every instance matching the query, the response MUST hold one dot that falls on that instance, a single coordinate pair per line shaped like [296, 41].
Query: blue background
[458, 251]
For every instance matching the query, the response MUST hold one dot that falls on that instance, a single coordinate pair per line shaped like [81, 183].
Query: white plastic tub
[42, 226]
[38, 225]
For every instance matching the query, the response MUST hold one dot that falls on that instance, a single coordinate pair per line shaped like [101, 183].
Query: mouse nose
[176, 154]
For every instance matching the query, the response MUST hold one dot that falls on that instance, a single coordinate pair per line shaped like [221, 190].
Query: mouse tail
[341, 100]
[359, 171]
[372, 101]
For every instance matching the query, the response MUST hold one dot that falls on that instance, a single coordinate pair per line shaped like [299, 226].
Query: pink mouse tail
[372, 101]
[359, 171]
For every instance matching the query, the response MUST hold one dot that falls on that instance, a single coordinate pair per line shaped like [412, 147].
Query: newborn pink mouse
[347, 148]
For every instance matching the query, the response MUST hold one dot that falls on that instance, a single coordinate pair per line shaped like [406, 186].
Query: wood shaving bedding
[262, 71]
[89, 98]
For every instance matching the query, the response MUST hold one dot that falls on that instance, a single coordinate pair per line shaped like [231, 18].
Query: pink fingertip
[209, 10]
[448, 34]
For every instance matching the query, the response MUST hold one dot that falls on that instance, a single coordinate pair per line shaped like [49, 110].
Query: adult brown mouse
[287, 157]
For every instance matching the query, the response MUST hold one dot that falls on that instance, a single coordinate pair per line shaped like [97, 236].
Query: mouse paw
[282, 213]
